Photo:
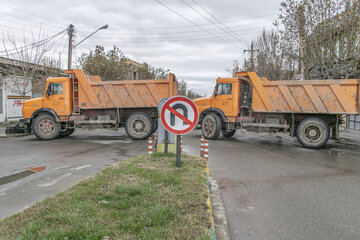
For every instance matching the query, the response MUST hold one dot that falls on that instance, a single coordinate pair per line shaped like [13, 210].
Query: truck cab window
[56, 88]
[224, 89]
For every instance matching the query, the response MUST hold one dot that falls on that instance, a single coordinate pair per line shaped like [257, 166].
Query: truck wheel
[228, 134]
[45, 127]
[139, 126]
[68, 132]
[211, 126]
[313, 133]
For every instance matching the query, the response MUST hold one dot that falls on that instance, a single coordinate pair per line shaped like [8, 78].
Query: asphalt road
[67, 161]
[272, 188]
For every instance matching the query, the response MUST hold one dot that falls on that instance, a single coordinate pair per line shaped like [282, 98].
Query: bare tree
[270, 60]
[321, 36]
[26, 61]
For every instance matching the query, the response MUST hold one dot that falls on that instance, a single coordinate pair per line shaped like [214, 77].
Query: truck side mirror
[48, 91]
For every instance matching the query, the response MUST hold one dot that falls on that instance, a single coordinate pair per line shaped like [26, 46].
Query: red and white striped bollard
[206, 150]
[150, 145]
[202, 146]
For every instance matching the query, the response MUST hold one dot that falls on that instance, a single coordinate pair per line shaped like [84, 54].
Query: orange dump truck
[88, 102]
[311, 110]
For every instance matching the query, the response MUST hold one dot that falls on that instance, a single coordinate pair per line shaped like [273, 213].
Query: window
[56, 88]
[224, 89]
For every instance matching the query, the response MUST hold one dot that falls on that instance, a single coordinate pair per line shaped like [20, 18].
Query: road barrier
[206, 150]
[150, 145]
[202, 146]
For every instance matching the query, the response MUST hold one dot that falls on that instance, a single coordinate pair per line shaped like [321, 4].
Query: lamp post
[71, 47]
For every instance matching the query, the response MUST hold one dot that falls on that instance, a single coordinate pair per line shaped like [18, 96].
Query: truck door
[55, 98]
[245, 94]
[223, 98]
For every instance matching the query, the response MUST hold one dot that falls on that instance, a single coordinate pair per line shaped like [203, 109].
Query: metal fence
[354, 122]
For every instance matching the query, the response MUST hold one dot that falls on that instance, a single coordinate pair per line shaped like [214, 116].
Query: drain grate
[20, 175]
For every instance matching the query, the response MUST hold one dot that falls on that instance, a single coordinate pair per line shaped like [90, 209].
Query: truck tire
[313, 133]
[68, 132]
[139, 126]
[228, 134]
[211, 126]
[45, 127]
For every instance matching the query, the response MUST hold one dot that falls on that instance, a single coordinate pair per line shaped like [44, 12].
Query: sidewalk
[350, 134]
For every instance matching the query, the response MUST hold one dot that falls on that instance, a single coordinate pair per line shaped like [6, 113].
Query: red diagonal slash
[176, 113]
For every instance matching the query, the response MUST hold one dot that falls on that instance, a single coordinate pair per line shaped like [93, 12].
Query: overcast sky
[197, 50]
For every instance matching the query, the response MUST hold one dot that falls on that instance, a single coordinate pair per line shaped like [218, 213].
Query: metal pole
[71, 33]
[166, 141]
[178, 139]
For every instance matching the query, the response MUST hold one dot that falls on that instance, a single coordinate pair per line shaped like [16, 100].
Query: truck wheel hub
[46, 127]
[313, 133]
[209, 126]
[138, 126]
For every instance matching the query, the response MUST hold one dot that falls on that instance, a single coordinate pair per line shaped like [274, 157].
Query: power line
[188, 26]
[216, 24]
[28, 19]
[35, 44]
[195, 24]
[162, 40]
[208, 12]
[32, 14]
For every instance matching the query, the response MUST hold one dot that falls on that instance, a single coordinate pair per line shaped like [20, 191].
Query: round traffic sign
[179, 115]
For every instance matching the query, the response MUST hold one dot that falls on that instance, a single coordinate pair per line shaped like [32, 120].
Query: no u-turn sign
[179, 115]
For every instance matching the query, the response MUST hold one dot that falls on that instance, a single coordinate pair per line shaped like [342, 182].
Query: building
[10, 100]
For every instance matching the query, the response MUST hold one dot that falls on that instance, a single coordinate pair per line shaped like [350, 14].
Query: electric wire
[34, 44]
[208, 12]
[195, 24]
[216, 24]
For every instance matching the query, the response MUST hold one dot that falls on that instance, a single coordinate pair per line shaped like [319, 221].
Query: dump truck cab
[55, 101]
[49, 111]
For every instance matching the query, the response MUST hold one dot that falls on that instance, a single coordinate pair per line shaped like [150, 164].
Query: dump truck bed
[304, 96]
[93, 93]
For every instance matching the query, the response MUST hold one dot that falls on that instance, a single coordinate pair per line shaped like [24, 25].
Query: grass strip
[143, 197]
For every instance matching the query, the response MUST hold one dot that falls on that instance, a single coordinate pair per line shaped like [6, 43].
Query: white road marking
[81, 167]
[55, 181]
[3, 193]
[61, 167]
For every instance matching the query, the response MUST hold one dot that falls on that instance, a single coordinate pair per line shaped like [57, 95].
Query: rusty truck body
[88, 102]
[311, 110]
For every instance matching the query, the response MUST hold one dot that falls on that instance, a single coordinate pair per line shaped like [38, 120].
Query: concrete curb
[220, 227]
[209, 204]
[219, 212]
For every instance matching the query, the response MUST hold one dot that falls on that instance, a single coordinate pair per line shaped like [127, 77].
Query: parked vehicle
[311, 110]
[88, 102]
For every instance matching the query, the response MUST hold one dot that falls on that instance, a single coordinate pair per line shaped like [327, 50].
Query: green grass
[143, 197]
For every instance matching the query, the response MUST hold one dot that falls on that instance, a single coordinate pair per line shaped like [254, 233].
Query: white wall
[12, 101]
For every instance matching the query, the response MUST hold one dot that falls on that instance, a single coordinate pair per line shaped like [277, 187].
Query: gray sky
[147, 31]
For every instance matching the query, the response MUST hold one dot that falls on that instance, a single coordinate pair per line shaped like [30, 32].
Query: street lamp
[71, 47]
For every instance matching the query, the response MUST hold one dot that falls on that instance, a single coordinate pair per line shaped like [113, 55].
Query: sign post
[179, 115]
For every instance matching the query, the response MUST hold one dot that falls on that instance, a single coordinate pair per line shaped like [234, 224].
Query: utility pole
[71, 34]
[252, 57]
